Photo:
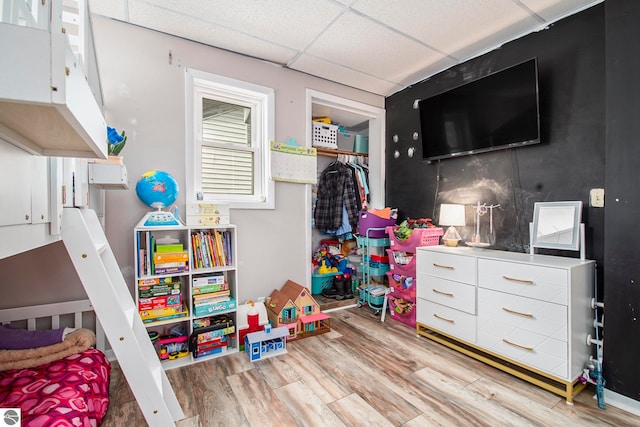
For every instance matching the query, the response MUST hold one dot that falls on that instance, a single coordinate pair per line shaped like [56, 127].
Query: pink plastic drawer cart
[402, 286]
[419, 237]
[402, 310]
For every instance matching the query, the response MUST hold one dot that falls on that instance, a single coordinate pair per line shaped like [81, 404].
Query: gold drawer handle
[443, 318]
[513, 279]
[448, 267]
[442, 293]
[517, 345]
[517, 312]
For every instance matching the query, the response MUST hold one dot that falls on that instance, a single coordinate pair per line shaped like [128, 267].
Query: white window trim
[262, 99]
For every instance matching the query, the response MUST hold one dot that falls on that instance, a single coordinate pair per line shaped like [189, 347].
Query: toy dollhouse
[294, 307]
[264, 344]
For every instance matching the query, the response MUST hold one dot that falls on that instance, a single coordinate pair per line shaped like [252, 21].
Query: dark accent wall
[621, 277]
[565, 165]
[590, 122]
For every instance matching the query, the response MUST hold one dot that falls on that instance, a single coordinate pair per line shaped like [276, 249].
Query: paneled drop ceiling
[380, 46]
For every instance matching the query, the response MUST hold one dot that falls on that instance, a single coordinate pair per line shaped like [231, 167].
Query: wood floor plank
[362, 373]
[305, 407]
[258, 401]
[323, 385]
[355, 411]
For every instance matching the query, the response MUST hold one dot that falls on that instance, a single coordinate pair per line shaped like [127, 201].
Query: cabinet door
[16, 185]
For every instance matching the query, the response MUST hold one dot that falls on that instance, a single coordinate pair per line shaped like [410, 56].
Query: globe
[157, 189]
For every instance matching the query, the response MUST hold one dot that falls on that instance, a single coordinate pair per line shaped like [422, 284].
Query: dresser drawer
[447, 292]
[534, 281]
[512, 311]
[447, 266]
[534, 350]
[453, 322]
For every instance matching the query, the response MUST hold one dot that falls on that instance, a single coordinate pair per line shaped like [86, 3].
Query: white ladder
[106, 288]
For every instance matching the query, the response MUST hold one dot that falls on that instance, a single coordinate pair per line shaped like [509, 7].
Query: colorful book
[171, 257]
[205, 289]
[168, 248]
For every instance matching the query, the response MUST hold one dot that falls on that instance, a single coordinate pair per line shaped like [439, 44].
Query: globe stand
[159, 218]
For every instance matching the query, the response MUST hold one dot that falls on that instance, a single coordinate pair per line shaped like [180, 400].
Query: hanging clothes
[336, 194]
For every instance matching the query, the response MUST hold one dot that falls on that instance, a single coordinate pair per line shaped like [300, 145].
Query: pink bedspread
[73, 391]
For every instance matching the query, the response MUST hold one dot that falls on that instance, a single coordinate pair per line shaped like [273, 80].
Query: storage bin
[320, 282]
[402, 286]
[403, 263]
[419, 237]
[369, 220]
[325, 135]
[361, 144]
[401, 310]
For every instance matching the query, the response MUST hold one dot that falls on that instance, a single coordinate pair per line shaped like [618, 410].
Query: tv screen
[497, 111]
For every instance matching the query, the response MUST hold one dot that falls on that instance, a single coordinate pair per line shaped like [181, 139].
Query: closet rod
[329, 152]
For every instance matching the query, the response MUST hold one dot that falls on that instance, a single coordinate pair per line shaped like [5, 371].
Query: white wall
[144, 94]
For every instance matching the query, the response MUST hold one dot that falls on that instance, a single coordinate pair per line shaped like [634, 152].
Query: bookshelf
[186, 290]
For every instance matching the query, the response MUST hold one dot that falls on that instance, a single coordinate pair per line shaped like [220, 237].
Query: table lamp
[453, 216]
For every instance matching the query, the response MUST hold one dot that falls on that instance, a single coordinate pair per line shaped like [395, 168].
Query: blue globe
[157, 189]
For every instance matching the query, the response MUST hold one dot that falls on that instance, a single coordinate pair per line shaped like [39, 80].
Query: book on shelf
[209, 309]
[214, 279]
[160, 302]
[205, 289]
[169, 247]
[172, 270]
[150, 291]
[171, 257]
[160, 314]
[150, 281]
[211, 300]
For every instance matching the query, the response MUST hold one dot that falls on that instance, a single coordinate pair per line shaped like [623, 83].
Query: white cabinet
[509, 309]
[178, 295]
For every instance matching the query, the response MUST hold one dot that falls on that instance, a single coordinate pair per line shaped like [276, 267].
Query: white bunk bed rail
[70, 314]
[50, 98]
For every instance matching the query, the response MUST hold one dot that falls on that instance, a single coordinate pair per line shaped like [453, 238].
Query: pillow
[16, 339]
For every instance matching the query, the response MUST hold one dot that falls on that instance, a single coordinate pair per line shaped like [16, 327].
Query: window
[229, 126]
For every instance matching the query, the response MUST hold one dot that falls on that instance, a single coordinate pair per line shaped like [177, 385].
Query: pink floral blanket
[73, 391]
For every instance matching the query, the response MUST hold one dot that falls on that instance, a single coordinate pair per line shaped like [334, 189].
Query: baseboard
[621, 402]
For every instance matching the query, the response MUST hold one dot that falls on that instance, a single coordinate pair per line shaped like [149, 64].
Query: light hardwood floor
[362, 373]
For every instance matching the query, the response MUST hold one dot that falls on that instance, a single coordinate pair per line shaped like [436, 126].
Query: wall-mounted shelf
[329, 152]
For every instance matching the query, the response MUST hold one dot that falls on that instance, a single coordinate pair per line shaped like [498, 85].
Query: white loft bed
[50, 105]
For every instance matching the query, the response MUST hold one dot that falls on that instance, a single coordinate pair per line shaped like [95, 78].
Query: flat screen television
[493, 112]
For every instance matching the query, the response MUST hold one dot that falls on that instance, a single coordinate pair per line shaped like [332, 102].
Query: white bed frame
[57, 315]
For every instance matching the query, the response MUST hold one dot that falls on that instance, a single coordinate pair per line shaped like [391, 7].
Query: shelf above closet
[329, 152]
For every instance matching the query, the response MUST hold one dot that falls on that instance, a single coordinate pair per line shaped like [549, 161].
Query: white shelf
[183, 234]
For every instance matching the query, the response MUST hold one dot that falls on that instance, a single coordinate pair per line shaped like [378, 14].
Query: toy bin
[401, 262]
[402, 286]
[320, 282]
[402, 310]
[419, 237]
[369, 220]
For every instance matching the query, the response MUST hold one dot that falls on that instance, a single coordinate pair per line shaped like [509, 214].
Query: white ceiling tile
[449, 25]
[196, 29]
[335, 72]
[363, 45]
[291, 23]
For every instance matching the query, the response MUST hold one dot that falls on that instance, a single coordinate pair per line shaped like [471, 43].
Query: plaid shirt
[335, 190]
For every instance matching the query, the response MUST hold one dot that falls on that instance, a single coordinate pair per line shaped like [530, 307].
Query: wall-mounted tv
[493, 112]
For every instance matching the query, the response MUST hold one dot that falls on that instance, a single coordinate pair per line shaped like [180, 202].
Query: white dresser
[528, 315]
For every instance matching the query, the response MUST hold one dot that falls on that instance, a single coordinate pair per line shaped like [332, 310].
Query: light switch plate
[596, 198]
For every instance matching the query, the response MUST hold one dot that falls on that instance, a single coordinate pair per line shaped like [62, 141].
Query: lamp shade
[452, 215]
